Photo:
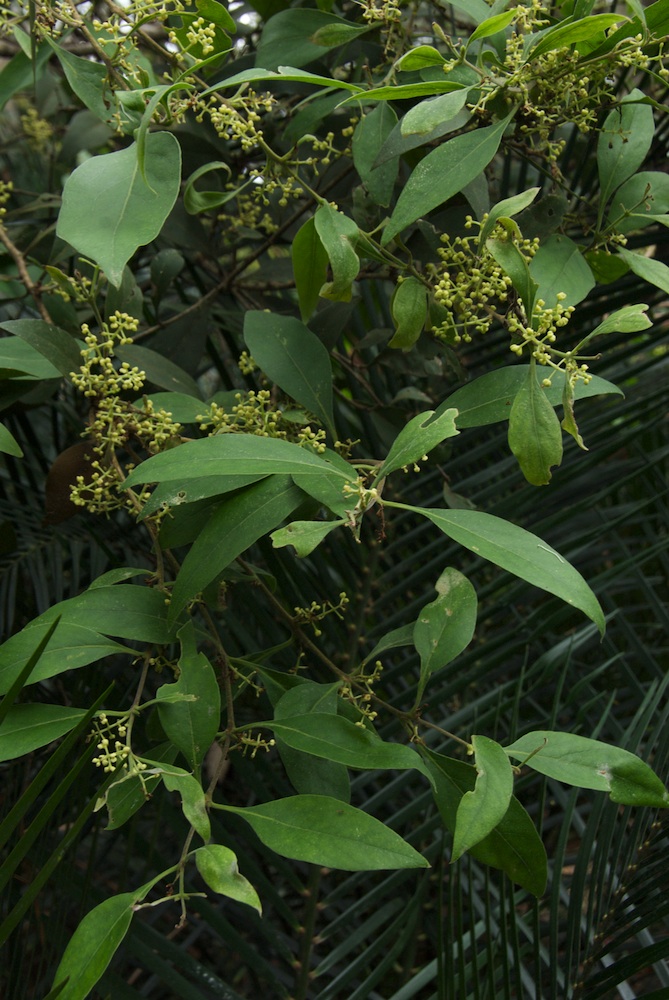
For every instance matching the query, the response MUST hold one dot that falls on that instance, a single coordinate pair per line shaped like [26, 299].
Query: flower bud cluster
[114, 751]
[471, 284]
[236, 119]
[317, 612]
[253, 414]
[199, 32]
[37, 131]
[362, 699]
[6, 188]
[541, 333]
[98, 375]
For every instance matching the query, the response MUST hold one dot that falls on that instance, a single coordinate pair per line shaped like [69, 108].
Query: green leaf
[402, 92]
[519, 552]
[423, 433]
[304, 536]
[492, 25]
[20, 72]
[418, 58]
[218, 867]
[639, 200]
[291, 32]
[17, 357]
[292, 356]
[402, 636]
[29, 727]
[481, 810]
[310, 775]
[88, 81]
[370, 134]
[191, 724]
[169, 495]
[629, 319]
[409, 309]
[236, 524]
[559, 266]
[72, 646]
[159, 370]
[132, 791]
[514, 845]
[181, 406]
[193, 798]
[202, 201]
[489, 398]
[8, 443]
[327, 832]
[129, 212]
[92, 946]
[587, 763]
[310, 267]
[428, 115]
[232, 454]
[651, 270]
[584, 30]
[506, 209]
[445, 627]
[622, 145]
[513, 263]
[339, 236]
[289, 74]
[57, 346]
[333, 737]
[535, 436]
[444, 172]
[331, 36]
[127, 611]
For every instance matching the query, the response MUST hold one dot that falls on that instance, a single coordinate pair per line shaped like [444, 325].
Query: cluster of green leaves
[230, 489]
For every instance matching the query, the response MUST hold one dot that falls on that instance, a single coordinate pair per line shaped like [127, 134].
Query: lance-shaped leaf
[429, 114]
[444, 172]
[218, 867]
[559, 267]
[481, 810]
[370, 134]
[328, 832]
[54, 344]
[409, 309]
[310, 774]
[92, 946]
[233, 454]
[446, 626]
[190, 709]
[506, 209]
[236, 524]
[513, 263]
[584, 29]
[339, 236]
[304, 536]
[629, 319]
[333, 737]
[514, 845]
[129, 211]
[28, 727]
[535, 435]
[193, 799]
[402, 636]
[587, 763]
[8, 443]
[310, 267]
[655, 272]
[624, 141]
[292, 356]
[489, 398]
[518, 551]
[423, 433]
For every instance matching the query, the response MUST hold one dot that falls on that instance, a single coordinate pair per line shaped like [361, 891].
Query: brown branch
[28, 282]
